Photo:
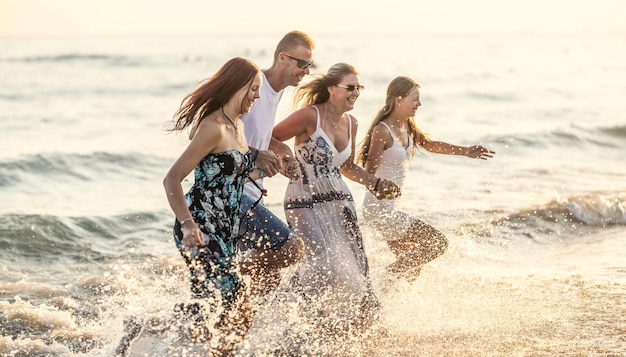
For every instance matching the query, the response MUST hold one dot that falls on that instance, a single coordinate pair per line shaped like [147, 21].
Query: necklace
[230, 120]
[238, 136]
[327, 120]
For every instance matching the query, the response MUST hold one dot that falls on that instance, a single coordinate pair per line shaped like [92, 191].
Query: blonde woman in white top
[333, 276]
[391, 142]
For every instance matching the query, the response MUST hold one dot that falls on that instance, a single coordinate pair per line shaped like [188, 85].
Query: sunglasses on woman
[351, 87]
[302, 64]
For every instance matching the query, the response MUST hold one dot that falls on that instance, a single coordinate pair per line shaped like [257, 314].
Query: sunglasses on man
[302, 64]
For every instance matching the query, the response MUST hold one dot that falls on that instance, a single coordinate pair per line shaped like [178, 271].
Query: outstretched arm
[474, 152]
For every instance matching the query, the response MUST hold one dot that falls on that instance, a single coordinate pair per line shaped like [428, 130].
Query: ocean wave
[82, 167]
[564, 218]
[618, 131]
[113, 60]
[78, 239]
[492, 97]
[72, 58]
[598, 210]
[609, 137]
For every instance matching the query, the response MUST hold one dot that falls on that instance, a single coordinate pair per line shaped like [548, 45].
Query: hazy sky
[115, 17]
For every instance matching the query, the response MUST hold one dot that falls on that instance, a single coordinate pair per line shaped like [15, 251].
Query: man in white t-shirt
[269, 244]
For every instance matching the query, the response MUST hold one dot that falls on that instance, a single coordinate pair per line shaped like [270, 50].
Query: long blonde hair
[398, 88]
[316, 91]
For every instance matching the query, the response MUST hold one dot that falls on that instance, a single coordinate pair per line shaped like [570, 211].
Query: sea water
[537, 234]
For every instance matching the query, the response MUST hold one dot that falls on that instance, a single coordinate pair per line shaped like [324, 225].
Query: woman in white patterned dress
[332, 278]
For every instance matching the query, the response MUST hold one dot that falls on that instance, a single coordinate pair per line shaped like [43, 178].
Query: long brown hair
[215, 92]
[398, 88]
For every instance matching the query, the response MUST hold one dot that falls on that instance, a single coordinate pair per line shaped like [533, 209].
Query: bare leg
[264, 230]
[421, 244]
[132, 329]
[233, 325]
[263, 265]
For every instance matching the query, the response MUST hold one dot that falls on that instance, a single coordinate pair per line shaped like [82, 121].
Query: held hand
[480, 152]
[389, 190]
[268, 162]
[385, 189]
[288, 164]
[192, 236]
[289, 167]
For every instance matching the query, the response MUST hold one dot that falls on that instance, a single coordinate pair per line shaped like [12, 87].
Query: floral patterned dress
[214, 201]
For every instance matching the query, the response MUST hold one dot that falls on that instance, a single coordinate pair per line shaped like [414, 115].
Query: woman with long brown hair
[207, 216]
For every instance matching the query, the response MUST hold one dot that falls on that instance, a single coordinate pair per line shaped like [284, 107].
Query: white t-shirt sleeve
[259, 123]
